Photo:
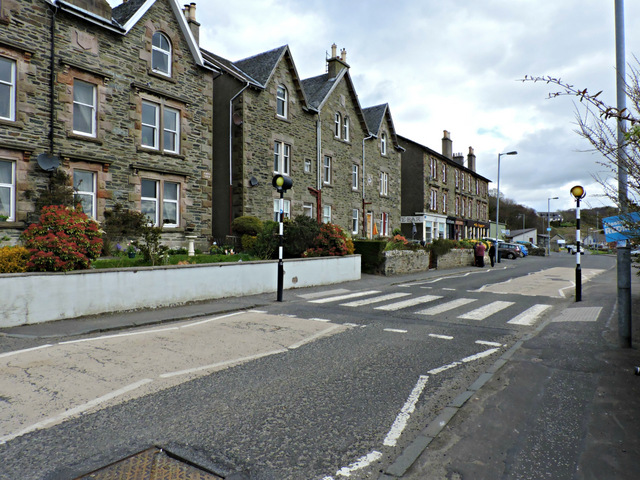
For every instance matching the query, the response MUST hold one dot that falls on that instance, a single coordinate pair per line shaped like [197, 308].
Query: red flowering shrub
[63, 240]
[331, 241]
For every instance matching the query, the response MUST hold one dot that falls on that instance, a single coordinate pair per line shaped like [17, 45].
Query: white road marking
[408, 303]
[443, 337]
[395, 330]
[344, 297]
[401, 420]
[480, 355]
[118, 335]
[319, 319]
[530, 315]
[490, 344]
[18, 352]
[368, 301]
[450, 289]
[350, 324]
[486, 311]
[361, 463]
[445, 307]
[76, 410]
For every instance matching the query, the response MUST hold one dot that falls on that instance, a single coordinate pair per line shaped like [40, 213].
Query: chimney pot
[343, 55]
[192, 11]
[333, 50]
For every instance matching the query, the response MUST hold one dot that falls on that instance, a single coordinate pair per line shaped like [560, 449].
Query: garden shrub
[371, 254]
[246, 225]
[64, 239]
[299, 235]
[442, 246]
[13, 259]
[149, 245]
[331, 241]
[248, 242]
[267, 241]
[122, 224]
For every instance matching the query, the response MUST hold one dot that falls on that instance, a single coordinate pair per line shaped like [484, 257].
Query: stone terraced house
[268, 121]
[441, 198]
[120, 99]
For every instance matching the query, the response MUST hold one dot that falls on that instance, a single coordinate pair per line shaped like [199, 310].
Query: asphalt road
[332, 382]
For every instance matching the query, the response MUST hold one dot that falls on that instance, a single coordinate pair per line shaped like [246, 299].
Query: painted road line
[76, 410]
[530, 315]
[485, 311]
[119, 335]
[344, 297]
[480, 355]
[362, 462]
[489, 344]
[442, 337]
[368, 301]
[445, 307]
[401, 420]
[26, 350]
[408, 303]
[395, 330]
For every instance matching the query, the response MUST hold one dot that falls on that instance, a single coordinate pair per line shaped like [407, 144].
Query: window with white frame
[355, 221]
[7, 89]
[7, 189]
[307, 165]
[462, 184]
[434, 201]
[161, 54]
[433, 168]
[444, 202]
[345, 129]
[457, 178]
[282, 109]
[444, 172]
[457, 206]
[384, 224]
[326, 214]
[84, 186]
[383, 143]
[160, 121]
[337, 125]
[469, 182]
[326, 170]
[354, 177]
[307, 210]
[469, 208]
[286, 209]
[156, 193]
[281, 158]
[84, 108]
[384, 183]
[477, 187]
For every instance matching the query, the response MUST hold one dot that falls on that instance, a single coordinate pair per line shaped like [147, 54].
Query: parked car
[509, 250]
[526, 244]
[635, 252]
[523, 250]
[572, 249]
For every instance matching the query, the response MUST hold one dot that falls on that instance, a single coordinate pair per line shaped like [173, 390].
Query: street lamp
[523, 217]
[497, 259]
[549, 224]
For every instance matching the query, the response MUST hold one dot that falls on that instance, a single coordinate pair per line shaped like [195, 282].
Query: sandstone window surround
[384, 184]
[7, 89]
[8, 189]
[84, 108]
[160, 126]
[281, 158]
[161, 54]
[282, 102]
[276, 209]
[326, 170]
[156, 192]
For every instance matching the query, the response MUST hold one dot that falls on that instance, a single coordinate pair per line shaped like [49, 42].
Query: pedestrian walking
[492, 254]
[479, 250]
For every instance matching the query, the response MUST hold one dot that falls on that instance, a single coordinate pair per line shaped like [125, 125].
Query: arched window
[337, 125]
[161, 54]
[281, 102]
[345, 129]
[383, 143]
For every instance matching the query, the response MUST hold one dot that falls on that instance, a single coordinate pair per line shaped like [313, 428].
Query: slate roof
[228, 66]
[317, 89]
[261, 66]
[374, 116]
[123, 12]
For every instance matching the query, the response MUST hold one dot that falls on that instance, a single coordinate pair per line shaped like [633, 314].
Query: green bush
[149, 245]
[371, 254]
[248, 242]
[299, 235]
[267, 241]
[13, 259]
[331, 241]
[246, 225]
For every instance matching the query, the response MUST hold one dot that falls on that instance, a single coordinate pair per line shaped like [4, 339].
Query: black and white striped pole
[578, 193]
[281, 183]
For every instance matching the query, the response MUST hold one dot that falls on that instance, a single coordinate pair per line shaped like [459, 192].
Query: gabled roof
[228, 67]
[374, 117]
[320, 88]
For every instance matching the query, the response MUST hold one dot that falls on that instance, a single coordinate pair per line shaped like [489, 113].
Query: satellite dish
[48, 162]
[237, 119]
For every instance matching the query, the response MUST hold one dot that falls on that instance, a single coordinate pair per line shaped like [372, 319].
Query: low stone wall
[42, 297]
[399, 262]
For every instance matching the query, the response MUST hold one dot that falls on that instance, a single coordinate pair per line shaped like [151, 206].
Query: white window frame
[154, 126]
[384, 224]
[167, 133]
[345, 129]
[457, 178]
[307, 165]
[462, 185]
[161, 132]
[160, 200]
[355, 221]
[383, 143]
[337, 125]
[83, 192]
[162, 51]
[326, 214]
[444, 202]
[355, 176]
[282, 102]
[80, 105]
[326, 170]
[281, 158]
[170, 201]
[444, 172]
[276, 209]
[384, 184]
[434, 201]
[11, 84]
[11, 187]
[307, 210]
[151, 200]
[457, 205]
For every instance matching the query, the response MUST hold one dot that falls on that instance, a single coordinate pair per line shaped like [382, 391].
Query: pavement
[562, 403]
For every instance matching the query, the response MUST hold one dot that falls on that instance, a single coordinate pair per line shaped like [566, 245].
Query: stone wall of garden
[399, 262]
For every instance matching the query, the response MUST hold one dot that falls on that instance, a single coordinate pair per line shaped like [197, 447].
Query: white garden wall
[41, 297]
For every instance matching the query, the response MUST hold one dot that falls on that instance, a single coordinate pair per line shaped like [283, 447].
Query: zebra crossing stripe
[530, 315]
[486, 311]
[445, 307]
[368, 301]
[408, 303]
[344, 297]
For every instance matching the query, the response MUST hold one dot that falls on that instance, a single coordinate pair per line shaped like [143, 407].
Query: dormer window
[383, 143]
[345, 129]
[161, 54]
[282, 109]
[337, 125]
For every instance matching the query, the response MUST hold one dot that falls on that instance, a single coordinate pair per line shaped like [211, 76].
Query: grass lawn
[138, 261]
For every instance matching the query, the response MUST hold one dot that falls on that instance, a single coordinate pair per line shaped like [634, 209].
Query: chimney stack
[336, 63]
[447, 145]
[471, 160]
[459, 159]
[190, 16]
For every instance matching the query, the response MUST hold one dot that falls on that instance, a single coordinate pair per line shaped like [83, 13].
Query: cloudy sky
[454, 65]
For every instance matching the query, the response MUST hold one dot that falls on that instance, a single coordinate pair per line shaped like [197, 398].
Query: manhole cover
[151, 464]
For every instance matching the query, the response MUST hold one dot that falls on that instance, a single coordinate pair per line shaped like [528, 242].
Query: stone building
[120, 99]
[441, 198]
[268, 121]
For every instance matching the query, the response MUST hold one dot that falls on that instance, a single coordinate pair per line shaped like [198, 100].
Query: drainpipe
[318, 166]
[52, 82]
[364, 203]
[231, 154]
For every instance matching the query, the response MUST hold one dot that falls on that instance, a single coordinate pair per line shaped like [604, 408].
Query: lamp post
[578, 193]
[497, 259]
[549, 224]
[281, 183]
[523, 217]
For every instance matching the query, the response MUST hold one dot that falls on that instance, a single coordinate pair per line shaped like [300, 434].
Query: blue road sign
[621, 227]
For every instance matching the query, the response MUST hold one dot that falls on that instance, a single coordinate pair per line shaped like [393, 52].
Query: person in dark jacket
[492, 254]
